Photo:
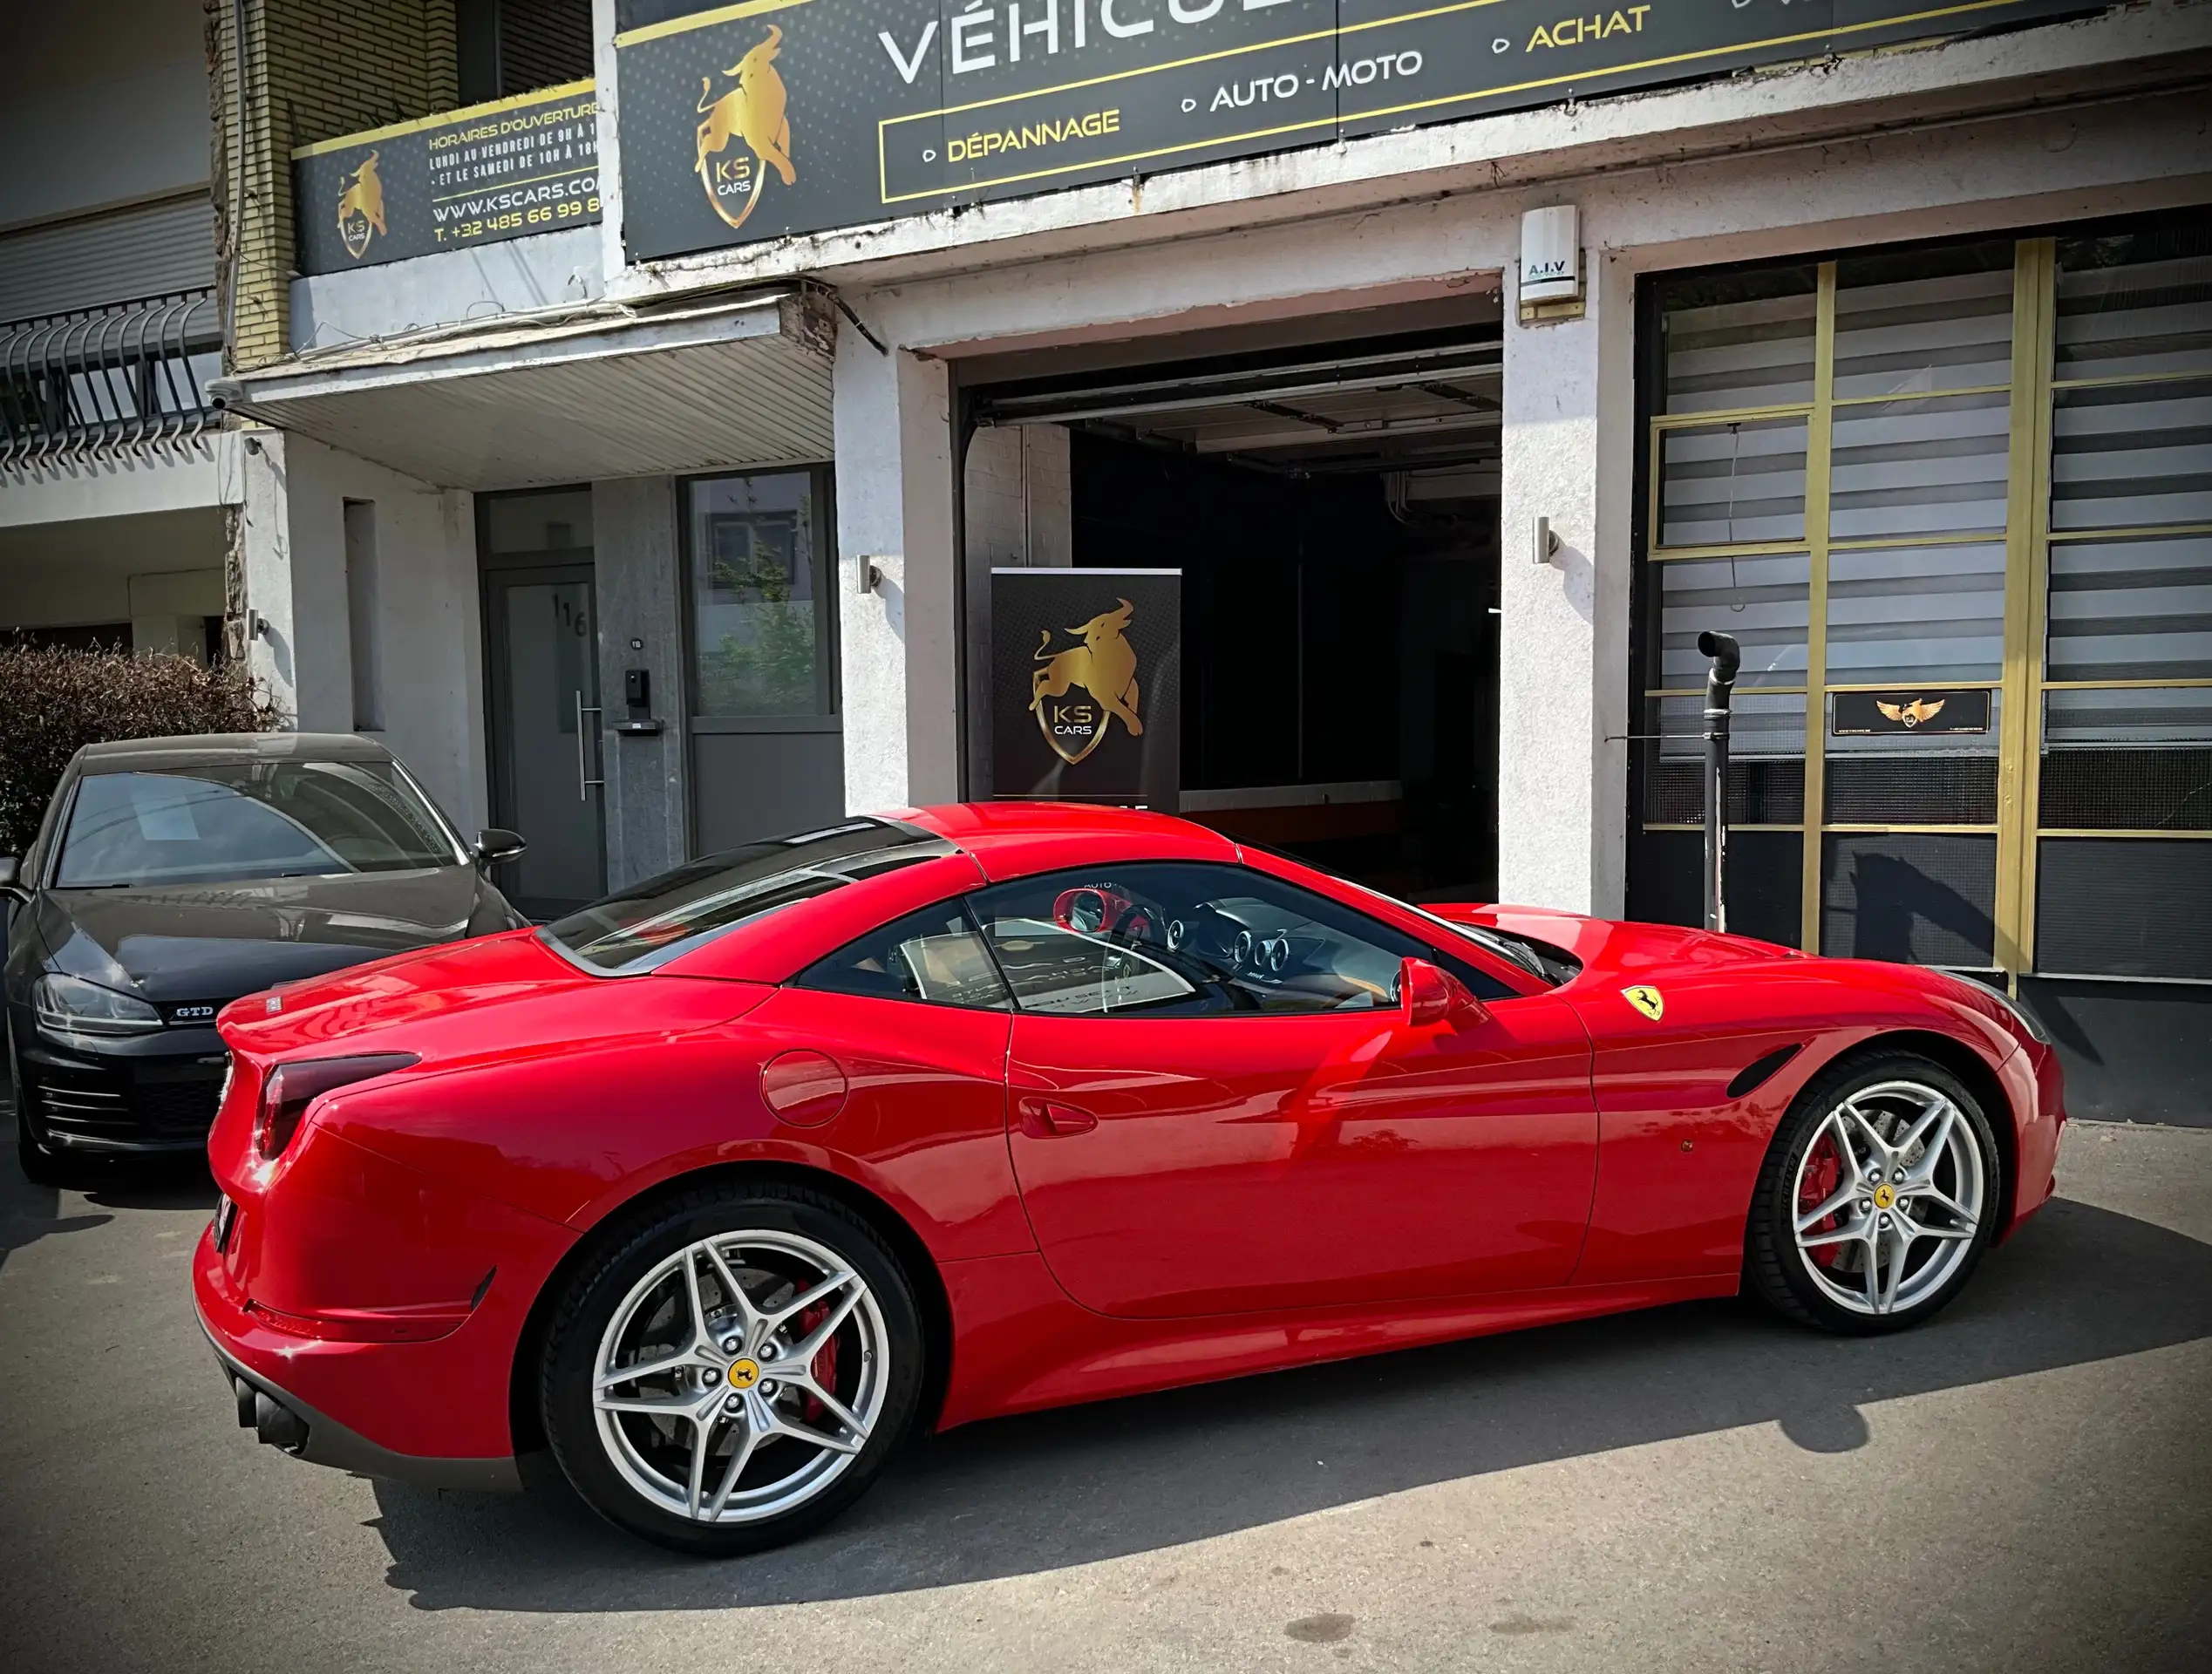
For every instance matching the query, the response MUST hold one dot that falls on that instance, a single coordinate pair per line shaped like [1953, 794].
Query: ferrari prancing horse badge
[1646, 999]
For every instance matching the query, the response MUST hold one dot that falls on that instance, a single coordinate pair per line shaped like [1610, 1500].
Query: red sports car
[722, 1185]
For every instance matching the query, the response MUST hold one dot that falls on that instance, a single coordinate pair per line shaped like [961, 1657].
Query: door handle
[583, 785]
[1047, 1119]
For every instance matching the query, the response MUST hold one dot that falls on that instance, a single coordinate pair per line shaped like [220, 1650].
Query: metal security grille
[119, 376]
[1917, 896]
[1982, 467]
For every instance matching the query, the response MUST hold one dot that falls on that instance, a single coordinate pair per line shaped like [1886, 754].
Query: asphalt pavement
[2025, 1484]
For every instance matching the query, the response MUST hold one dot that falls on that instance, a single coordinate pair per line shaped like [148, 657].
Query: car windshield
[653, 921]
[228, 822]
[1554, 965]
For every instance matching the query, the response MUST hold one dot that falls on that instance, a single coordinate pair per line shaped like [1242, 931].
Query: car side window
[1175, 938]
[934, 954]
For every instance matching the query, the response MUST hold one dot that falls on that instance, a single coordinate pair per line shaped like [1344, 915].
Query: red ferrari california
[721, 1186]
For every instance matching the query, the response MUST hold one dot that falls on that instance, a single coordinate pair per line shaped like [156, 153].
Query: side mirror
[494, 844]
[10, 867]
[1431, 995]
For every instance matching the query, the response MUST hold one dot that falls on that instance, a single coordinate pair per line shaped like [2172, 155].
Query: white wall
[334, 309]
[429, 633]
[172, 477]
[1017, 496]
[107, 101]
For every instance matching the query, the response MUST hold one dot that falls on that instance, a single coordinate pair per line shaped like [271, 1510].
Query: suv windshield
[226, 821]
[651, 922]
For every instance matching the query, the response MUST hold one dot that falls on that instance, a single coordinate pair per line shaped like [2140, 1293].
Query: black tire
[589, 1307]
[1780, 1273]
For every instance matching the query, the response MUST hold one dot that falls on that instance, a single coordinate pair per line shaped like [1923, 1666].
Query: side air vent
[1759, 1070]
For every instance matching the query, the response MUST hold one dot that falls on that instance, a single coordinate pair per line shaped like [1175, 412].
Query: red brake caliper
[1822, 1170]
[825, 1364]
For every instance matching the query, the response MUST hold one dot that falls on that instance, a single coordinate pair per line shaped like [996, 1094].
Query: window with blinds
[1836, 476]
[2124, 778]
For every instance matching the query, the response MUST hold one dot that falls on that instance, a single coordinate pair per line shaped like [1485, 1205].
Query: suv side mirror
[494, 844]
[11, 867]
[1431, 995]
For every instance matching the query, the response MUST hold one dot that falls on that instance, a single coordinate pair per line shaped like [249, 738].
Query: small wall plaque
[1946, 710]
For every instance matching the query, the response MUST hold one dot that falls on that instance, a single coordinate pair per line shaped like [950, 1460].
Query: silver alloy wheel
[1887, 1197]
[741, 1377]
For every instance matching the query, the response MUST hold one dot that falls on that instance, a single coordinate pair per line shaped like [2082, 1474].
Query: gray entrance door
[768, 753]
[545, 749]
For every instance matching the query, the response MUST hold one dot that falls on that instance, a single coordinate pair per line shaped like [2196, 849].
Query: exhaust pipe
[1720, 690]
[271, 1421]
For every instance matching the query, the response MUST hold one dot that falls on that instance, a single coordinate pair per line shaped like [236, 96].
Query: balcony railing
[128, 376]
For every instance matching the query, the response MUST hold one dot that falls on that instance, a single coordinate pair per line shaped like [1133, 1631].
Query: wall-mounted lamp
[257, 625]
[1543, 543]
[868, 571]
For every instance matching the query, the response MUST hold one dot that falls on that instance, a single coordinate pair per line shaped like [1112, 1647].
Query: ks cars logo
[361, 208]
[1104, 667]
[751, 114]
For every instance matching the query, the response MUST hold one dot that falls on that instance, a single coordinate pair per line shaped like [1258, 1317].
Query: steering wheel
[1138, 925]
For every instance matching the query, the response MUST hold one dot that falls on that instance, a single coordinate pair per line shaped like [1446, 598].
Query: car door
[1218, 1106]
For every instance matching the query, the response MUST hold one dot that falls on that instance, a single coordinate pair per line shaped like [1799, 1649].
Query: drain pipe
[1720, 687]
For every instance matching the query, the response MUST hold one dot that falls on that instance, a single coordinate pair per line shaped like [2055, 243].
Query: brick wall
[315, 70]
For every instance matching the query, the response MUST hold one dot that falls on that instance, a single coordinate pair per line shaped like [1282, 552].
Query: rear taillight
[291, 1088]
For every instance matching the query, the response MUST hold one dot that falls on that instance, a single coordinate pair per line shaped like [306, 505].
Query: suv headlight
[70, 1006]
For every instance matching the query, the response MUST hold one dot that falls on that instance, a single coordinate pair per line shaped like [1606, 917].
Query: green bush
[54, 702]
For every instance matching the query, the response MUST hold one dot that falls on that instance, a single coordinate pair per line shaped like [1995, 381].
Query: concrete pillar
[897, 643]
[633, 542]
[1569, 437]
[265, 540]
[606, 91]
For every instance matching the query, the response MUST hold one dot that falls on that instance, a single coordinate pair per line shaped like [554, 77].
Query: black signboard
[779, 116]
[506, 170]
[1086, 678]
[1874, 714]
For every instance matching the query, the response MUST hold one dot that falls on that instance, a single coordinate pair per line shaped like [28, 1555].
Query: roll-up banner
[1086, 685]
[744, 122]
[509, 169]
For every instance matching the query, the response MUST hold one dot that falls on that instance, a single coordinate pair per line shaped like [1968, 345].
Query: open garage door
[1333, 510]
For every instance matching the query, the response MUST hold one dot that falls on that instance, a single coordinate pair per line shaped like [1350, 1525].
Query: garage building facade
[1879, 352]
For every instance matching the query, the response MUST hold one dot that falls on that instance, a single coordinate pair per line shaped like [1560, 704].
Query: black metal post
[1720, 687]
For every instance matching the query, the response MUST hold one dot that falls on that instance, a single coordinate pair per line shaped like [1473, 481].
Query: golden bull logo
[361, 208]
[1104, 667]
[752, 114]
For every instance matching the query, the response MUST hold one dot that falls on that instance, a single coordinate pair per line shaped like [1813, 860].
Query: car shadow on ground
[1050, 1490]
[28, 1212]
